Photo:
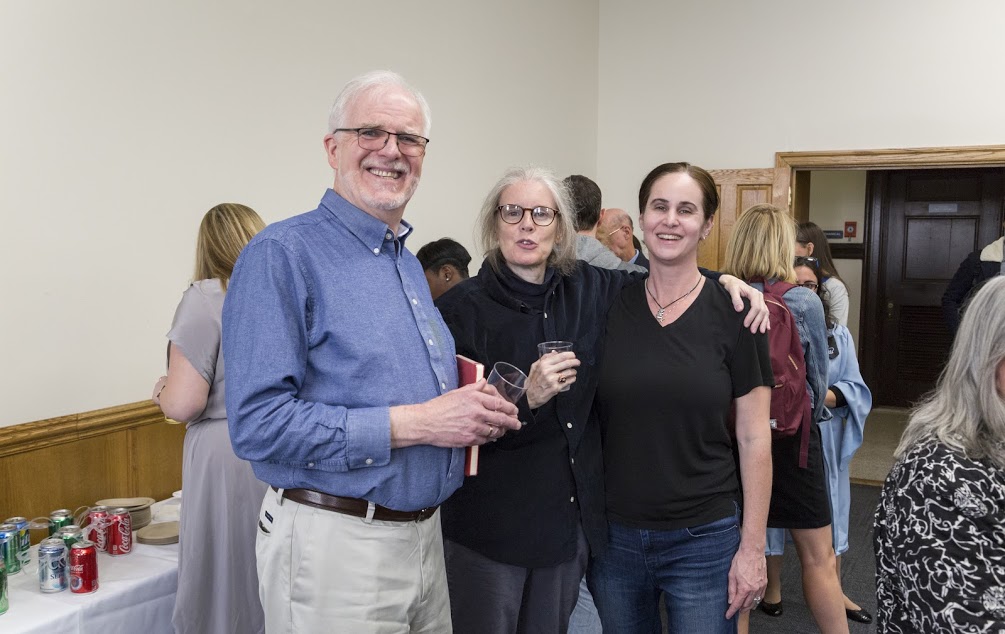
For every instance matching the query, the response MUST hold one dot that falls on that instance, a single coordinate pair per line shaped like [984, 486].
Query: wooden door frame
[790, 191]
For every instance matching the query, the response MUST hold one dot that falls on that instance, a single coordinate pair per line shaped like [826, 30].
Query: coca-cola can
[120, 532]
[97, 527]
[83, 567]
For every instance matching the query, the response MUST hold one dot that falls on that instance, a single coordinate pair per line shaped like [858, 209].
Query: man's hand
[471, 415]
[549, 375]
[757, 317]
[748, 577]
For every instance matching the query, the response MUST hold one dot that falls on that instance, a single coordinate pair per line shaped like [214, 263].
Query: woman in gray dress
[217, 578]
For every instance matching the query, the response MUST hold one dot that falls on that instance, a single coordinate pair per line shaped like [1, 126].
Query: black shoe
[775, 609]
[859, 616]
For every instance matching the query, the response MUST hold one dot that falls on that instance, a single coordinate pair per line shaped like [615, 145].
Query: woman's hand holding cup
[554, 372]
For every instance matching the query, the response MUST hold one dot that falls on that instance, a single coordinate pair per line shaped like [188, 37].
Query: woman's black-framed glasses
[376, 139]
[513, 214]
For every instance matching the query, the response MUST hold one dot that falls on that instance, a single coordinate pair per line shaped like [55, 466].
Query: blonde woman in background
[217, 578]
[762, 248]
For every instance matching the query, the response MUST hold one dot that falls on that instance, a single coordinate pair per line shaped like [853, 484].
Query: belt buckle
[425, 514]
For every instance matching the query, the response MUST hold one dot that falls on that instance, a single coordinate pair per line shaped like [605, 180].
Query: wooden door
[738, 190]
[928, 222]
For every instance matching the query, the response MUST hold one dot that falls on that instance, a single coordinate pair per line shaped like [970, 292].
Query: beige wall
[123, 122]
[835, 197]
[726, 84]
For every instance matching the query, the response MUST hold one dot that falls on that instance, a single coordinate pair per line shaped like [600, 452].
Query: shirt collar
[371, 231]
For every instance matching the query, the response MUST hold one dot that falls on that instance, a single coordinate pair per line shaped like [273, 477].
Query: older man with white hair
[342, 388]
[616, 232]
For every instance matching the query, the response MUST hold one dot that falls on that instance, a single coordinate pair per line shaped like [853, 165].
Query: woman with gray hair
[518, 535]
[940, 524]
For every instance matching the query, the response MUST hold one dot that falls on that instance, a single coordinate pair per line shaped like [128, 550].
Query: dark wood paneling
[75, 460]
[847, 250]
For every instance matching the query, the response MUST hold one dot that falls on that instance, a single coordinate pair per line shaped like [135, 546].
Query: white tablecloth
[135, 593]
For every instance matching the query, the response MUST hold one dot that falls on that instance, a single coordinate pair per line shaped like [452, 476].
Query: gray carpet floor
[858, 570]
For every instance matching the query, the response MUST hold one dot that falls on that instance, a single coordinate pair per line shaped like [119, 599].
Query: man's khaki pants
[321, 571]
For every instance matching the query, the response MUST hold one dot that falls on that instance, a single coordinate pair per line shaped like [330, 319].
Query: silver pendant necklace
[661, 313]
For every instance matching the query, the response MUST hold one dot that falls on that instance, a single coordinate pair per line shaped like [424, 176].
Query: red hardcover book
[468, 372]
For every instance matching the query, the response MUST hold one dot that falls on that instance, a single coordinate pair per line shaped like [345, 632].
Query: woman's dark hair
[813, 264]
[434, 255]
[709, 194]
[808, 233]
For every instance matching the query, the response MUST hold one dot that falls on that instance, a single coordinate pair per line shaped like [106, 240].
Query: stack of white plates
[139, 509]
[159, 534]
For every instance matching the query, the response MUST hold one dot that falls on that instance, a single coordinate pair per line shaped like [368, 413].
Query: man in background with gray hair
[616, 232]
[341, 388]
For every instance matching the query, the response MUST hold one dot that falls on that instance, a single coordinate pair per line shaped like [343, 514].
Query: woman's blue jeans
[691, 565]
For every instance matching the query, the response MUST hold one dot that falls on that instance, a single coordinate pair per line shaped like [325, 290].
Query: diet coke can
[53, 574]
[120, 532]
[83, 568]
[97, 527]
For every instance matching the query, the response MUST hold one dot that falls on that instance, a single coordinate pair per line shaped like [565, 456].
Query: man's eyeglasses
[513, 214]
[376, 139]
[806, 260]
[619, 229]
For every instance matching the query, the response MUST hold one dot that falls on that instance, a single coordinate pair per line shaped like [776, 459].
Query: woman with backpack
[675, 358]
[761, 251]
[849, 400]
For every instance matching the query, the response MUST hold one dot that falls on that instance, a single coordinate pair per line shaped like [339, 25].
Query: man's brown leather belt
[354, 506]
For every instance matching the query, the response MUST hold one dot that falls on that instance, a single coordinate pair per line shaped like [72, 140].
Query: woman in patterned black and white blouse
[940, 525]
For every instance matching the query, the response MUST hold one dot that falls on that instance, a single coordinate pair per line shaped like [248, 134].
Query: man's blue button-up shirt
[328, 323]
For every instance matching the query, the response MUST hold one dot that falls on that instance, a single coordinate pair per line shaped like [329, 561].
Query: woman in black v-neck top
[676, 359]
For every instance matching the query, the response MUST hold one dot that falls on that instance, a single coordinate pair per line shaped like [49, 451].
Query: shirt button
[388, 236]
[546, 315]
[376, 250]
[572, 460]
[415, 301]
[369, 461]
[430, 342]
[310, 464]
[572, 499]
[569, 425]
[443, 386]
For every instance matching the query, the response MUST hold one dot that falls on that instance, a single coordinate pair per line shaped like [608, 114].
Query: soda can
[97, 527]
[70, 535]
[24, 538]
[53, 573]
[10, 548]
[120, 532]
[4, 601]
[83, 567]
[58, 519]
